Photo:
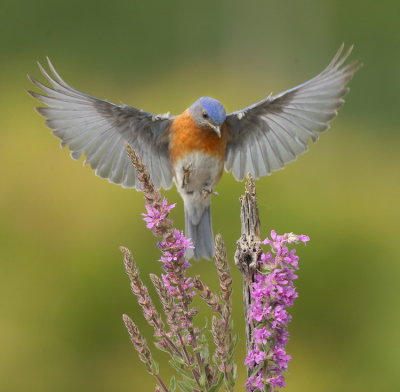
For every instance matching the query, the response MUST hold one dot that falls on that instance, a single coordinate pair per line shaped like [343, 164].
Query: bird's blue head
[208, 112]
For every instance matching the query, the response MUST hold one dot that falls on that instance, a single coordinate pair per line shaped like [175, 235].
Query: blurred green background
[63, 288]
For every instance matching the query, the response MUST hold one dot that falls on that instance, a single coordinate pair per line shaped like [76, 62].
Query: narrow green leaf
[183, 372]
[154, 367]
[203, 379]
[235, 340]
[160, 347]
[217, 386]
[234, 373]
[179, 360]
[172, 384]
[184, 387]
[203, 349]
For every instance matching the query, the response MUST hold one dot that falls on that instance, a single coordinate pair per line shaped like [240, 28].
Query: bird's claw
[186, 174]
[207, 192]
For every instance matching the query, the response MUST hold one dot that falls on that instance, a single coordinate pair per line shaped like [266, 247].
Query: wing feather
[99, 129]
[265, 136]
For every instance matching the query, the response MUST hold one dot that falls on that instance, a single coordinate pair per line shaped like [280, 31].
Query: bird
[192, 149]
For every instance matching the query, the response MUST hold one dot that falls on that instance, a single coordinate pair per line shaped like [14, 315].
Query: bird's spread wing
[265, 136]
[99, 129]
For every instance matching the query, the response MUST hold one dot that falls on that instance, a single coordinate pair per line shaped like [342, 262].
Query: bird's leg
[187, 169]
[207, 191]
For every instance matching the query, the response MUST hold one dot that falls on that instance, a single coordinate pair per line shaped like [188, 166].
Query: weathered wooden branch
[248, 250]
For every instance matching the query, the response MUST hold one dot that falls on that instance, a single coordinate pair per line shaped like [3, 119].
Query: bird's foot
[187, 169]
[207, 192]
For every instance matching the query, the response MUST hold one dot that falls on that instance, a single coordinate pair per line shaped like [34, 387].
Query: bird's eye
[205, 115]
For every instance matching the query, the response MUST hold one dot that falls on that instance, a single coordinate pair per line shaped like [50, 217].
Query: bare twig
[248, 250]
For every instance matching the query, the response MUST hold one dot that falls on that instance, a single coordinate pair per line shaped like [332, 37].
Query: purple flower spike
[174, 246]
[272, 292]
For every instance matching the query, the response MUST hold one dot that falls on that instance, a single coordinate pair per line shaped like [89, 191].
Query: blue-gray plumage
[193, 148]
[213, 109]
[208, 112]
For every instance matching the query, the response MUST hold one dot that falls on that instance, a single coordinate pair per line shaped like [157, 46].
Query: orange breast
[187, 137]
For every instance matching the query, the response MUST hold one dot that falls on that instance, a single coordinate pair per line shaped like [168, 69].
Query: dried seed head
[223, 270]
[140, 290]
[211, 299]
[139, 343]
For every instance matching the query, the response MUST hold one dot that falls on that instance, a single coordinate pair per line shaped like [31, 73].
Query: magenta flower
[280, 357]
[278, 381]
[266, 258]
[261, 335]
[156, 214]
[255, 382]
[272, 292]
[254, 357]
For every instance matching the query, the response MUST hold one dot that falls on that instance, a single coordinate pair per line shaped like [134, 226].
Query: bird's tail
[201, 233]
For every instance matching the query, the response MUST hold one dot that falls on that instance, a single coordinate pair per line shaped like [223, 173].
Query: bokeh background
[63, 288]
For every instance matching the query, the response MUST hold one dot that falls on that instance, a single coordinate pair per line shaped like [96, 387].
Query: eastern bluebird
[193, 148]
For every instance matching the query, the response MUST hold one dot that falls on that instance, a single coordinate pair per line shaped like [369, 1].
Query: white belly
[197, 172]
[195, 177]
